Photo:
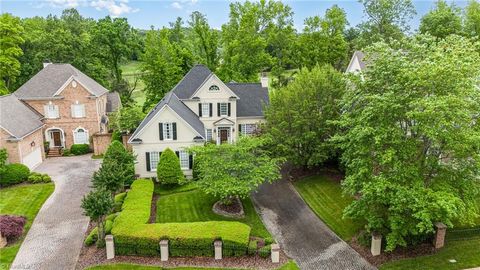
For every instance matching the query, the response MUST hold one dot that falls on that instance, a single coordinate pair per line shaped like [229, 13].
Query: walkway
[300, 233]
[55, 239]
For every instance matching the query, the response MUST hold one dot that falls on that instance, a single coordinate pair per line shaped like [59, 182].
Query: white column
[275, 253]
[110, 247]
[164, 250]
[376, 247]
[218, 249]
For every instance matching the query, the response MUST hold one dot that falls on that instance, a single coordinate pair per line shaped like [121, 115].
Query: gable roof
[172, 101]
[113, 102]
[192, 81]
[359, 56]
[52, 78]
[17, 118]
[252, 98]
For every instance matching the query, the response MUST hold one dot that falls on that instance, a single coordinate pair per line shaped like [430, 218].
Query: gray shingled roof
[252, 98]
[360, 57]
[113, 102]
[191, 81]
[51, 78]
[172, 101]
[18, 118]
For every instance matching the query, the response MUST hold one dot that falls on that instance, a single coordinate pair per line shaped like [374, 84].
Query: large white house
[200, 108]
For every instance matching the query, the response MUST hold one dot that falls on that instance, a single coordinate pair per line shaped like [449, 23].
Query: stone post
[376, 247]
[164, 250]
[110, 247]
[275, 253]
[439, 240]
[3, 241]
[218, 249]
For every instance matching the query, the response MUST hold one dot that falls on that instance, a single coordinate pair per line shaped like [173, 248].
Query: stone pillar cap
[275, 247]
[440, 225]
[164, 242]
[109, 237]
[217, 243]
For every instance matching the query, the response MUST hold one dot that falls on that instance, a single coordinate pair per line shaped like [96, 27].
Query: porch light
[32, 144]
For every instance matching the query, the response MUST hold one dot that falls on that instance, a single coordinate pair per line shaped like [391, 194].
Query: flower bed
[133, 236]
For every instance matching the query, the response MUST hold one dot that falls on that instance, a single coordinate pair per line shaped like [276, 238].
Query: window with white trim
[184, 159]
[205, 109]
[78, 110]
[214, 88]
[167, 131]
[223, 109]
[208, 132]
[248, 129]
[51, 111]
[80, 136]
[154, 158]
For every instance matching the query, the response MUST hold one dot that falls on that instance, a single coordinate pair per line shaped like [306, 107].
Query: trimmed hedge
[36, 177]
[80, 149]
[133, 236]
[93, 235]
[14, 173]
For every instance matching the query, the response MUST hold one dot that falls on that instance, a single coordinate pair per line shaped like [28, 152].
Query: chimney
[264, 80]
[46, 63]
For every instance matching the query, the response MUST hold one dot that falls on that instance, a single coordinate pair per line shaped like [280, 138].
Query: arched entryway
[55, 137]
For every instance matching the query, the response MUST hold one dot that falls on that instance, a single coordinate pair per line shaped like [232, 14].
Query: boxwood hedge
[133, 236]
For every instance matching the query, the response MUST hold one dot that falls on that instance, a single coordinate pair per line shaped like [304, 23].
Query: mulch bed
[90, 256]
[234, 209]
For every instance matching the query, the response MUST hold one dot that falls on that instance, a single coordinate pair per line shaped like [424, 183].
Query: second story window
[51, 111]
[168, 131]
[223, 109]
[214, 88]
[78, 110]
[206, 110]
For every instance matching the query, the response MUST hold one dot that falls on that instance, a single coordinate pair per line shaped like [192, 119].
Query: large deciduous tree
[11, 37]
[205, 40]
[412, 140]
[234, 170]
[128, 118]
[472, 19]
[442, 21]
[299, 116]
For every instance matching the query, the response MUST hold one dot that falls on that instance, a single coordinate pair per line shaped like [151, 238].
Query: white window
[154, 158]
[205, 109]
[80, 136]
[51, 111]
[247, 129]
[167, 131]
[214, 88]
[78, 110]
[184, 160]
[223, 109]
[209, 134]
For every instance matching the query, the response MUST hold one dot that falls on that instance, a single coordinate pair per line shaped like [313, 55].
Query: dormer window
[214, 88]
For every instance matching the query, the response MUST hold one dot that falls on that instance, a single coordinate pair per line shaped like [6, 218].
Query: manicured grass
[325, 198]
[194, 205]
[21, 200]
[129, 71]
[465, 252]
[166, 190]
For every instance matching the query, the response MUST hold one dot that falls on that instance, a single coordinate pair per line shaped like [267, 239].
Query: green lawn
[22, 200]
[325, 198]
[465, 252]
[188, 204]
[129, 71]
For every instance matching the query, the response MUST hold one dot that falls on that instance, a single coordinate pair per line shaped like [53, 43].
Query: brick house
[72, 105]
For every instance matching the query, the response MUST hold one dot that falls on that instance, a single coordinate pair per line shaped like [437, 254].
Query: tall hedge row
[133, 236]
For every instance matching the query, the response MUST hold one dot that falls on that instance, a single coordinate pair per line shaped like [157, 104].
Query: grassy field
[188, 204]
[325, 198]
[22, 200]
[130, 70]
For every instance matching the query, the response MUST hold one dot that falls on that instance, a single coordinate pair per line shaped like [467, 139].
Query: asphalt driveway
[300, 233]
[55, 238]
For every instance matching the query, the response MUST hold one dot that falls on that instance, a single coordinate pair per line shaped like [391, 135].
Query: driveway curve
[55, 239]
[300, 233]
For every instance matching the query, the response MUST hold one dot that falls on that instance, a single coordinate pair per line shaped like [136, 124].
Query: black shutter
[177, 153]
[190, 162]
[211, 111]
[200, 109]
[218, 109]
[174, 127]
[229, 109]
[239, 129]
[147, 157]
[160, 130]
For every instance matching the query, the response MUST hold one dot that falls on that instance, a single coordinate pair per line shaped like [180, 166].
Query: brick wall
[101, 141]
[24, 146]
[12, 147]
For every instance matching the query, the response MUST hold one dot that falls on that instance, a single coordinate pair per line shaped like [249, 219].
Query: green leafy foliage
[168, 168]
[14, 173]
[231, 170]
[442, 21]
[411, 142]
[117, 168]
[205, 40]
[127, 120]
[3, 160]
[96, 205]
[299, 116]
[36, 178]
[79, 149]
[11, 37]
[472, 19]
[117, 135]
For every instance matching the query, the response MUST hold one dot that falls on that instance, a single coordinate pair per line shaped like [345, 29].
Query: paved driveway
[55, 238]
[300, 233]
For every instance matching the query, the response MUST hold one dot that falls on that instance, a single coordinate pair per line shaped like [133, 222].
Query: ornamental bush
[168, 168]
[11, 227]
[36, 177]
[117, 136]
[122, 162]
[14, 173]
[80, 149]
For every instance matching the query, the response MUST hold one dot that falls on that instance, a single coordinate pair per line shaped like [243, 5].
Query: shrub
[35, 178]
[168, 169]
[265, 251]
[122, 160]
[133, 236]
[80, 149]
[111, 217]
[67, 153]
[120, 197]
[11, 227]
[269, 240]
[93, 235]
[117, 136]
[14, 173]
[252, 247]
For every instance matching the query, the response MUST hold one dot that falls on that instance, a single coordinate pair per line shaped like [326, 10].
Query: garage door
[33, 159]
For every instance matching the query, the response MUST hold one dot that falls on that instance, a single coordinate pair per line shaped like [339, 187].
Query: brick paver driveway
[55, 238]
[300, 233]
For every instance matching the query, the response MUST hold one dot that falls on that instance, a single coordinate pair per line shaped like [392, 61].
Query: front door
[223, 135]
[56, 139]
